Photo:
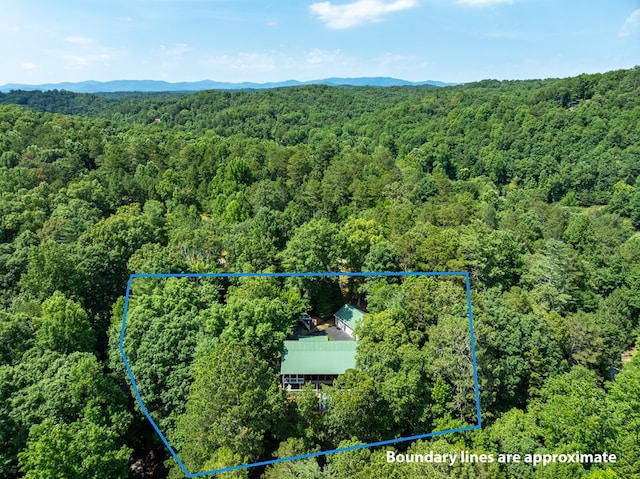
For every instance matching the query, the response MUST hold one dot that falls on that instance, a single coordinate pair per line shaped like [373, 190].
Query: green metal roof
[349, 315]
[314, 338]
[318, 357]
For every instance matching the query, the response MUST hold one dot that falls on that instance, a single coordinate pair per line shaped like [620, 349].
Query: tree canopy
[532, 187]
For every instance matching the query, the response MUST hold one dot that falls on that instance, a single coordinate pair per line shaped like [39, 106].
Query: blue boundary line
[281, 275]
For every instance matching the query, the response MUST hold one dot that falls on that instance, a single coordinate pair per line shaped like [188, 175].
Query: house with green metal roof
[315, 360]
[347, 317]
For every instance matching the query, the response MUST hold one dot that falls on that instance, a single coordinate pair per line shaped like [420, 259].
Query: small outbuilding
[347, 317]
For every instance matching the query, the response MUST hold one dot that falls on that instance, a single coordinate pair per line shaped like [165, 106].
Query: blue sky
[48, 41]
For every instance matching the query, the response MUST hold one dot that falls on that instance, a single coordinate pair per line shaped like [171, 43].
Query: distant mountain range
[156, 86]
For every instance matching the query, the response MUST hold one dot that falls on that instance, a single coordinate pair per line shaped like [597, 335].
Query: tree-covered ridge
[530, 186]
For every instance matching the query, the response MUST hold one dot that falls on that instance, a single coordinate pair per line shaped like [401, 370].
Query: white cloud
[631, 24]
[277, 65]
[176, 50]
[29, 66]
[9, 28]
[299, 63]
[318, 56]
[75, 60]
[79, 53]
[483, 3]
[358, 12]
[246, 61]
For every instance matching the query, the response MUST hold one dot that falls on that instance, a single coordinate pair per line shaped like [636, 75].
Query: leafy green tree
[572, 412]
[69, 220]
[81, 449]
[91, 192]
[301, 468]
[234, 403]
[305, 419]
[63, 390]
[580, 234]
[516, 352]
[361, 463]
[585, 343]
[525, 224]
[624, 405]
[449, 352]
[381, 257]
[163, 329]
[381, 337]
[14, 260]
[16, 337]
[128, 229]
[360, 236]
[318, 245]
[498, 258]
[221, 459]
[261, 323]
[617, 320]
[52, 267]
[429, 248]
[551, 275]
[227, 190]
[63, 326]
[407, 392]
[22, 211]
[253, 245]
[515, 432]
[354, 409]
[153, 258]
[102, 276]
[198, 239]
[426, 299]
[602, 474]
[269, 194]
[464, 470]
[389, 352]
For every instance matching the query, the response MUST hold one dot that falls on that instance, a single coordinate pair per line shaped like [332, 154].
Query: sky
[50, 41]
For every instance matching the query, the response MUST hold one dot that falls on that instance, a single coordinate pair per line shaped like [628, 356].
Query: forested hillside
[533, 187]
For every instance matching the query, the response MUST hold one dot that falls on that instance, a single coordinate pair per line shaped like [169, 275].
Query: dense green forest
[533, 187]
